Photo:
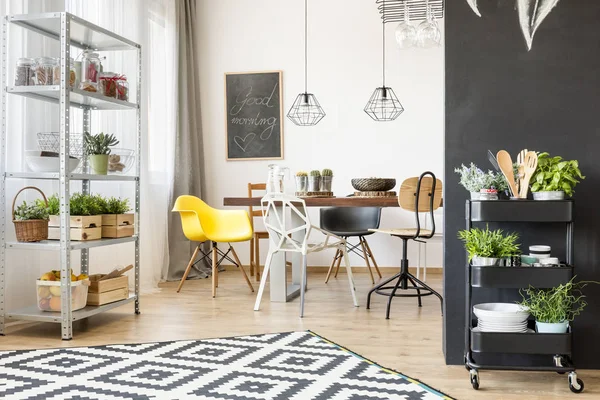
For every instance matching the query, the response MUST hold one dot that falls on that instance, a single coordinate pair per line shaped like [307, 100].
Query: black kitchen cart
[556, 346]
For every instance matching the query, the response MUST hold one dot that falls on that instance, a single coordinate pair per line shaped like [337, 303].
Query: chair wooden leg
[337, 268]
[241, 268]
[365, 254]
[189, 267]
[252, 257]
[263, 281]
[215, 271]
[373, 258]
[257, 259]
[350, 277]
[332, 264]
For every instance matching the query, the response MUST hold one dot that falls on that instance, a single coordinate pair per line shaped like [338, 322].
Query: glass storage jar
[72, 77]
[107, 84]
[90, 67]
[24, 72]
[44, 70]
[123, 89]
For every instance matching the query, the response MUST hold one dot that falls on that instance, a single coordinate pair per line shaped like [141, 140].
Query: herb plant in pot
[554, 308]
[486, 247]
[30, 219]
[477, 181]
[97, 148]
[85, 217]
[314, 181]
[554, 178]
[301, 181]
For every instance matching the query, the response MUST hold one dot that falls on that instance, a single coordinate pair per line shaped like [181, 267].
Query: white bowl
[37, 163]
[501, 312]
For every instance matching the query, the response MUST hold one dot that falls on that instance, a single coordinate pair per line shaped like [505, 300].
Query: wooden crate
[107, 291]
[78, 221]
[78, 234]
[98, 286]
[83, 227]
[117, 225]
[98, 299]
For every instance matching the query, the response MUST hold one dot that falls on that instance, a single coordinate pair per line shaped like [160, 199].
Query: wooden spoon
[521, 169]
[531, 162]
[506, 166]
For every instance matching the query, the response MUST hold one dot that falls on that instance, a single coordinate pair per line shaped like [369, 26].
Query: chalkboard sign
[253, 115]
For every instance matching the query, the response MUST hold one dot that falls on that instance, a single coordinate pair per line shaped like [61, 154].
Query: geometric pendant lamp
[306, 110]
[383, 104]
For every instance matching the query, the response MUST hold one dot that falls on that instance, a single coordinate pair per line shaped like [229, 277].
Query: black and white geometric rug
[293, 365]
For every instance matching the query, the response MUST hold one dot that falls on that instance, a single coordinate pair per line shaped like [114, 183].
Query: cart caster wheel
[560, 372]
[575, 384]
[475, 379]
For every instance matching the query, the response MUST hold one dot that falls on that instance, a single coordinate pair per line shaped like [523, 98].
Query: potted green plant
[301, 181]
[116, 220]
[314, 181]
[554, 178]
[475, 180]
[487, 247]
[326, 178]
[84, 217]
[97, 148]
[554, 308]
[30, 219]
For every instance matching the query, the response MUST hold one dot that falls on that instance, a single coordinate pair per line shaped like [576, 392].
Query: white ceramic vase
[547, 327]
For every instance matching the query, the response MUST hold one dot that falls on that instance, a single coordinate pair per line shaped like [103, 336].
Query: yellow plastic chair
[202, 223]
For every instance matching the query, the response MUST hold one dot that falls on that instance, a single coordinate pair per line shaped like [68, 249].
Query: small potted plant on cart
[480, 184]
[554, 178]
[487, 247]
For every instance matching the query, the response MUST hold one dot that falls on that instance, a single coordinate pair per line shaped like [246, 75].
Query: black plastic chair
[352, 222]
[422, 194]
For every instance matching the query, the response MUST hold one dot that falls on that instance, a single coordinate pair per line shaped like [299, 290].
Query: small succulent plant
[301, 173]
[327, 172]
[315, 172]
[99, 144]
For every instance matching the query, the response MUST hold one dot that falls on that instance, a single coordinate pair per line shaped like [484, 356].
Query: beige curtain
[189, 149]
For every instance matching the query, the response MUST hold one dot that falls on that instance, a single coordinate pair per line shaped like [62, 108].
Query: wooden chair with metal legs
[349, 222]
[202, 223]
[258, 235]
[419, 194]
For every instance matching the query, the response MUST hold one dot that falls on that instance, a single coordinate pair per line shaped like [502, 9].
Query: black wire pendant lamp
[383, 104]
[306, 110]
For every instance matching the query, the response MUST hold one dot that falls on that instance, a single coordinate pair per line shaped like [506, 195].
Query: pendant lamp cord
[383, 36]
[305, 46]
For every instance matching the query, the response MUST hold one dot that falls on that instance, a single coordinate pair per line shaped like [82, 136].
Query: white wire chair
[281, 238]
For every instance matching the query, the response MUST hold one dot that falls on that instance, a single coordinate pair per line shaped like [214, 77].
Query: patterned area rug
[294, 365]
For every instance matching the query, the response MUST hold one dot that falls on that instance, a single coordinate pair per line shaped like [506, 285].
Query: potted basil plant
[554, 178]
[554, 308]
[97, 148]
[486, 248]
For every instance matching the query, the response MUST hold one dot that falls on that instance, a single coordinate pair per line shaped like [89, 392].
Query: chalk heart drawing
[244, 142]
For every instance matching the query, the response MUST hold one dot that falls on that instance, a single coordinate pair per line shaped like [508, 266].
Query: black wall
[501, 96]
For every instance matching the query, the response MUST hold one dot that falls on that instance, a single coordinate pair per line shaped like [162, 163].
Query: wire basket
[50, 141]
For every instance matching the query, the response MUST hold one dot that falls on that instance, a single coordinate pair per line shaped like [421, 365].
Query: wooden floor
[410, 342]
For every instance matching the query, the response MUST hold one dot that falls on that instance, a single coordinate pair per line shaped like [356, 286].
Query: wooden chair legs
[215, 271]
[368, 255]
[335, 258]
[241, 268]
[189, 267]
[252, 257]
[257, 258]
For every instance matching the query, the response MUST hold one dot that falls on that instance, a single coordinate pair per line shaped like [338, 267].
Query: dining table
[279, 288]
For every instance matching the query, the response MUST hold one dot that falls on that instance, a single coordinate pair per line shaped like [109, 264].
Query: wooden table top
[322, 201]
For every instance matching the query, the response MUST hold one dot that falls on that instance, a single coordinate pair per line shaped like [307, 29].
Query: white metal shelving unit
[70, 31]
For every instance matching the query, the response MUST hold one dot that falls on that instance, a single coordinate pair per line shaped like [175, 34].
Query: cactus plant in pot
[326, 178]
[314, 181]
[301, 181]
[97, 148]
[486, 247]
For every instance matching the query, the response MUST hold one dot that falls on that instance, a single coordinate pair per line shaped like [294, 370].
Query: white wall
[344, 69]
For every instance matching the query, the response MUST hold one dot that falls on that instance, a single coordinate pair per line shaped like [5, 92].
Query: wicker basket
[373, 184]
[33, 230]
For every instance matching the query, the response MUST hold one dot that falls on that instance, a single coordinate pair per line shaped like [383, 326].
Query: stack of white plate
[501, 317]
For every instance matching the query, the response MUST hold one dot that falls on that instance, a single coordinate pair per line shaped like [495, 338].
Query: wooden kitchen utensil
[506, 166]
[116, 272]
[521, 168]
[531, 162]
